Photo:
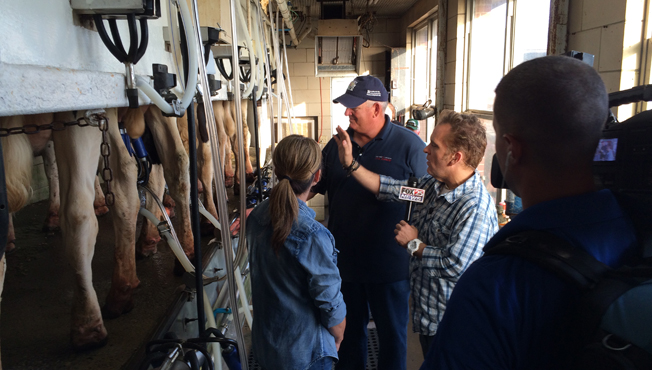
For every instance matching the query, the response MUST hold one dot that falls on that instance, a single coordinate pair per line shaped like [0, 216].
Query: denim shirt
[296, 294]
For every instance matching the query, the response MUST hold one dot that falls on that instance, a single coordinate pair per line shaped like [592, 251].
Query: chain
[95, 119]
[54, 126]
[105, 151]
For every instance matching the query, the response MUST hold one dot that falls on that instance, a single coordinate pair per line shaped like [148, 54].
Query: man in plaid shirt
[453, 223]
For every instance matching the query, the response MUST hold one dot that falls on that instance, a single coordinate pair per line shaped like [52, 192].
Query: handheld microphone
[412, 194]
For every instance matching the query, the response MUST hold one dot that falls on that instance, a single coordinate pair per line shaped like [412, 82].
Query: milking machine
[184, 341]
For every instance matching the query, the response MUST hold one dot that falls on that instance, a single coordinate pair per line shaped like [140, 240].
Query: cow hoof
[178, 267]
[48, 228]
[101, 210]
[206, 228]
[115, 309]
[168, 201]
[147, 248]
[119, 300]
[51, 223]
[10, 247]
[250, 177]
[170, 211]
[229, 181]
[89, 336]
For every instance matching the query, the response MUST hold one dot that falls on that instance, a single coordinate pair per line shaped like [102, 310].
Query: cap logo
[352, 85]
[373, 93]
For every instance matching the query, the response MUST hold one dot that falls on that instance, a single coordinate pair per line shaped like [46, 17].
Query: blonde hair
[296, 159]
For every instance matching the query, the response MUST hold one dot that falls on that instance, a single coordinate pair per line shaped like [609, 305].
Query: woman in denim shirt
[299, 313]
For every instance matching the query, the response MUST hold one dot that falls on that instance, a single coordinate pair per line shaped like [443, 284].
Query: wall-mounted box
[338, 48]
[118, 8]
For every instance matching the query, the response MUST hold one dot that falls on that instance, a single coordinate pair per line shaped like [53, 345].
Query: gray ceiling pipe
[285, 12]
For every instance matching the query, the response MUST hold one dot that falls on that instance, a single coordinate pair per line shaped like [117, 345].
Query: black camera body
[623, 158]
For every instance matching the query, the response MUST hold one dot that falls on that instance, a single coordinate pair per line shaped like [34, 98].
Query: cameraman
[506, 312]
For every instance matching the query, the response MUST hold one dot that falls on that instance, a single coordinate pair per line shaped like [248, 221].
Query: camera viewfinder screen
[606, 151]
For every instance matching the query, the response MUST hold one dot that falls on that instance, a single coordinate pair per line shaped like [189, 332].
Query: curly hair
[468, 135]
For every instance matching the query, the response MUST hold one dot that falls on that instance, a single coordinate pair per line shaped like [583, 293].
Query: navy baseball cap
[361, 89]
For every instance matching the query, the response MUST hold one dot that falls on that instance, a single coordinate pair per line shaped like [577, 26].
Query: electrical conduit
[285, 12]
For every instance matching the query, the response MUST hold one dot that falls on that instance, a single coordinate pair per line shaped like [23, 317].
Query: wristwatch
[413, 246]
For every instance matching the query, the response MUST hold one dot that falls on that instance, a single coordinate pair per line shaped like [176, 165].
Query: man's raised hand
[343, 146]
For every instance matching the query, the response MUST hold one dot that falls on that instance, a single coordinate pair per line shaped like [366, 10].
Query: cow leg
[18, 159]
[3, 269]
[124, 213]
[52, 173]
[100, 202]
[149, 236]
[169, 204]
[77, 149]
[11, 235]
[205, 173]
[236, 148]
[229, 129]
[222, 137]
[175, 169]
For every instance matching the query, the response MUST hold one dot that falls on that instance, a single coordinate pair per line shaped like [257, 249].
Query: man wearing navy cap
[374, 270]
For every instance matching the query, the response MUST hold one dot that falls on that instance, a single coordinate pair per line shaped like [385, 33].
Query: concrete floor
[37, 296]
[414, 355]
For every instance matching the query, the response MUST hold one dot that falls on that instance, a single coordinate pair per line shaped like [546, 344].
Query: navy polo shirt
[362, 225]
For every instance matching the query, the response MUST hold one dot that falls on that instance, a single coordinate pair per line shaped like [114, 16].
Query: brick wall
[611, 30]
[306, 87]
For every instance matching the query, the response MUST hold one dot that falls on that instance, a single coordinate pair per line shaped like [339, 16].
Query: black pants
[426, 341]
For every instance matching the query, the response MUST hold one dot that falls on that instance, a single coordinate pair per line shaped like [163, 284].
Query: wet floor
[36, 302]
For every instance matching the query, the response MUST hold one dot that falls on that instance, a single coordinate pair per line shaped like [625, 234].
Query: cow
[77, 150]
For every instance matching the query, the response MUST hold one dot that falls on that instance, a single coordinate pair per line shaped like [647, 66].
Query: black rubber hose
[150, 358]
[117, 40]
[99, 24]
[156, 345]
[220, 66]
[133, 38]
[257, 144]
[194, 194]
[184, 51]
[244, 76]
[203, 351]
[218, 337]
[207, 52]
[191, 357]
[144, 39]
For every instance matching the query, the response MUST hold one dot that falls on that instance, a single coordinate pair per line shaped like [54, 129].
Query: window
[503, 34]
[487, 56]
[424, 69]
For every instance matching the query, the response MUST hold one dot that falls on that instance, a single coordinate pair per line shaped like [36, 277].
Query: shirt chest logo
[383, 158]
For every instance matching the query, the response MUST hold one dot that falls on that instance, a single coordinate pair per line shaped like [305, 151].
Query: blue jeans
[388, 304]
[324, 363]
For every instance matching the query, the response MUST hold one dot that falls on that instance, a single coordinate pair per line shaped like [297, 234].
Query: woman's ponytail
[296, 160]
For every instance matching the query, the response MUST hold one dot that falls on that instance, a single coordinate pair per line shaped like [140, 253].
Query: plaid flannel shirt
[455, 226]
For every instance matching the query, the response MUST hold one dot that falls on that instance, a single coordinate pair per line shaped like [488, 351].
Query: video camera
[623, 158]
[421, 112]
